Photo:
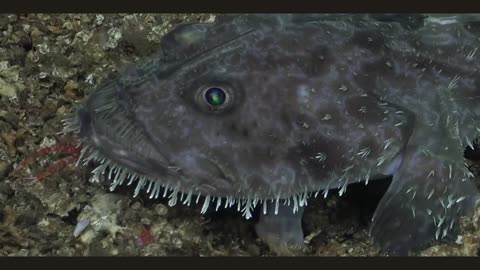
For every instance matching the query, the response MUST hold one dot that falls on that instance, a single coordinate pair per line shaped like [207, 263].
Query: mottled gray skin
[315, 102]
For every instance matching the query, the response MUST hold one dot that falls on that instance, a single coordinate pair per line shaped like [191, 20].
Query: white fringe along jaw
[119, 175]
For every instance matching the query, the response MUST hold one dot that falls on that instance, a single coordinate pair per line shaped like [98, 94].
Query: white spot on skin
[327, 117]
[441, 20]
[364, 152]
[380, 160]
[303, 94]
[179, 110]
[305, 125]
[303, 162]
[120, 152]
[96, 140]
[453, 83]
[321, 157]
[388, 143]
[394, 165]
[471, 54]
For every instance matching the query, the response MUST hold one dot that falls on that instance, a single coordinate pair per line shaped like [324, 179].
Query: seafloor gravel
[47, 63]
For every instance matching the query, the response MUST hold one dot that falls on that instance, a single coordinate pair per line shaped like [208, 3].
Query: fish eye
[214, 98]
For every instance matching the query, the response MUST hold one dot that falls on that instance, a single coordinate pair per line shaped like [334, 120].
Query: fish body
[258, 110]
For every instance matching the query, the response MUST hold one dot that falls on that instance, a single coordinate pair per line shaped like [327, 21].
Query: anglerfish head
[247, 109]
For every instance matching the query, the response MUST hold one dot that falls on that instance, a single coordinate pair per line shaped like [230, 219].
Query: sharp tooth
[140, 184]
[470, 144]
[206, 203]
[165, 191]
[198, 198]
[277, 201]
[295, 204]
[188, 199]
[173, 199]
[219, 202]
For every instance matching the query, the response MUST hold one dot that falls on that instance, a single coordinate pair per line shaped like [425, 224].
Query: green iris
[215, 96]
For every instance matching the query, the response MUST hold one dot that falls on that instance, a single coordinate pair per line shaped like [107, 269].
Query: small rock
[97, 56]
[161, 210]
[211, 19]
[5, 191]
[459, 240]
[114, 37]
[26, 42]
[23, 252]
[80, 227]
[177, 243]
[36, 35]
[86, 18]
[70, 89]
[43, 48]
[32, 56]
[88, 236]
[48, 142]
[7, 89]
[253, 250]
[136, 205]
[61, 110]
[54, 29]
[99, 19]
[68, 25]
[3, 65]
[4, 168]
[103, 214]
[10, 118]
[9, 140]
[42, 75]
[82, 36]
[146, 221]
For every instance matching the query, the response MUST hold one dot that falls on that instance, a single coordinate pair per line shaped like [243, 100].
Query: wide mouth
[176, 193]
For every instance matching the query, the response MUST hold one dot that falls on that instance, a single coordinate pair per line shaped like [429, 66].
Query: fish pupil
[215, 96]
